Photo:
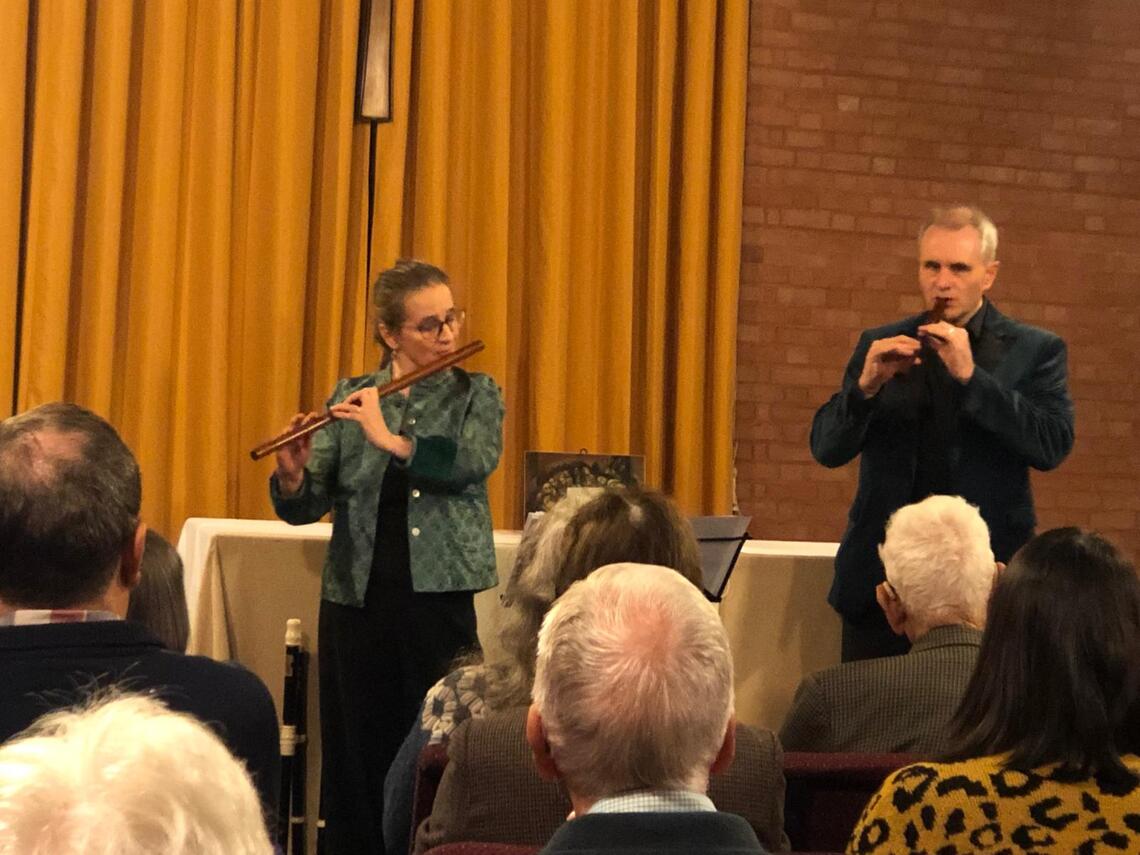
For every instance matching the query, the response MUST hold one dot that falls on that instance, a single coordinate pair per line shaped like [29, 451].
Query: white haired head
[633, 682]
[127, 776]
[937, 557]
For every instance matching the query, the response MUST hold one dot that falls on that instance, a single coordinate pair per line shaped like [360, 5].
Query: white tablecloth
[244, 578]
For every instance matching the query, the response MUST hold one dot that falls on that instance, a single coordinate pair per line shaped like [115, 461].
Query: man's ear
[536, 739]
[892, 607]
[727, 751]
[991, 275]
[130, 560]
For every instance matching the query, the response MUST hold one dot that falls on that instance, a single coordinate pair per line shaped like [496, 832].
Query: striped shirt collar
[35, 617]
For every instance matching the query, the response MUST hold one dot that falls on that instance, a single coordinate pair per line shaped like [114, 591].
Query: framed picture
[374, 63]
[548, 475]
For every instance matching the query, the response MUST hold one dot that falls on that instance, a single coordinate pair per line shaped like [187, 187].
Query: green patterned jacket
[455, 422]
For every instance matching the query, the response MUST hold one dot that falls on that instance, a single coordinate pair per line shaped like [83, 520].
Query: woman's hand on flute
[292, 458]
[363, 407]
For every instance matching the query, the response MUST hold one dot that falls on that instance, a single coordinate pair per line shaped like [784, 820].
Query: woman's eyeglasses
[431, 328]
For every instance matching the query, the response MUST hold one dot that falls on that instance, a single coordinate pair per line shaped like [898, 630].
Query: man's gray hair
[958, 217]
[633, 682]
[125, 776]
[937, 557]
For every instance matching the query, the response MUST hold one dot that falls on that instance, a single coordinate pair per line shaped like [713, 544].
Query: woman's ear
[387, 336]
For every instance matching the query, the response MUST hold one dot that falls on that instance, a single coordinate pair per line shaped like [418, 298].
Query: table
[245, 578]
[779, 624]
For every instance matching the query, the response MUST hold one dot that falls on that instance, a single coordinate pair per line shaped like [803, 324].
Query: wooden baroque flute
[937, 311]
[318, 422]
[934, 316]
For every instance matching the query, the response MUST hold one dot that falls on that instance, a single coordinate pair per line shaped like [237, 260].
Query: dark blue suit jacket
[654, 834]
[1014, 413]
[45, 667]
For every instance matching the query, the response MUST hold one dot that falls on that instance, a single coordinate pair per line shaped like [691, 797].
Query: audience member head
[1057, 678]
[158, 602]
[938, 564]
[70, 494]
[631, 524]
[566, 544]
[633, 686]
[125, 776]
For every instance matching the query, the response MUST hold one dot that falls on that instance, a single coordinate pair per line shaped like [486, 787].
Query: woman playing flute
[411, 543]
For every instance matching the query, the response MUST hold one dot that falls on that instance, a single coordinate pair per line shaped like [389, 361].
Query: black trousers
[376, 665]
[870, 636]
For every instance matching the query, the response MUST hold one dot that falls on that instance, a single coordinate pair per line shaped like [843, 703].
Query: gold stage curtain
[192, 196]
[576, 165]
[196, 198]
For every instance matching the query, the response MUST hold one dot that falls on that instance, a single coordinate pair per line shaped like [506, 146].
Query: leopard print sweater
[979, 806]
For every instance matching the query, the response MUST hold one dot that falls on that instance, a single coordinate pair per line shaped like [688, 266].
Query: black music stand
[720, 540]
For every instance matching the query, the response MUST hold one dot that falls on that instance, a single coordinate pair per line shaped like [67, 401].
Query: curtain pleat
[14, 18]
[57, 103]
[201, 440]
[97, 332]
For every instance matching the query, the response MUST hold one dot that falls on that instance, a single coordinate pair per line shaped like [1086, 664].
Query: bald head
[70, 494]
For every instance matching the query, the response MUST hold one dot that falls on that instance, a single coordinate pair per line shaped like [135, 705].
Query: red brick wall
[861, 116]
